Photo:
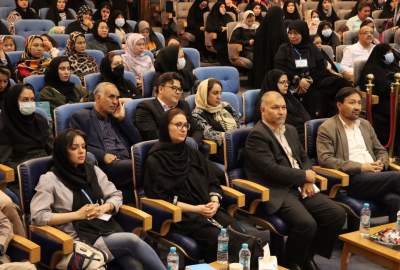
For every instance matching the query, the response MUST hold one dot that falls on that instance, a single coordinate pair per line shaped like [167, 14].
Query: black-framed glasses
[181, 125]
[177, 89]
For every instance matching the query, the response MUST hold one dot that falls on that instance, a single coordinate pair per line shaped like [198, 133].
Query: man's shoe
[310, 265]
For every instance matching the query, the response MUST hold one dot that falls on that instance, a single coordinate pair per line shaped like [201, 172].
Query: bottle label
[365, 220]
[223, 247]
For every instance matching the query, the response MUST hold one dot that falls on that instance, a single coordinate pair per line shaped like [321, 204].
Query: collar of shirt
[356, 123]
[165, 106]
[279, 131]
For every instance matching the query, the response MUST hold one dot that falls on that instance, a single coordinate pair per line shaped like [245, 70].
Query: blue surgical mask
[389, 58]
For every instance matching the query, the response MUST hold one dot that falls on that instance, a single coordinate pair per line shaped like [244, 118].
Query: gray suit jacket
[333, 150]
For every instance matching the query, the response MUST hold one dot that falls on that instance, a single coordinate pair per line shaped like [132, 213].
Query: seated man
[363, 12]
[348, 143]
[275, 158]
[107, 138]
[359, 51]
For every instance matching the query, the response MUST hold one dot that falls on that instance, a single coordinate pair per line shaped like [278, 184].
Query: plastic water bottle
[365, 220]
[172, 259]
[223, 243]
[245, 256]
[398, 221]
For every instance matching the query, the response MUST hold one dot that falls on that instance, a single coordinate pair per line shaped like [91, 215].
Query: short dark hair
[366, 22]
[363, 4]
[345, 92]
[167, 77]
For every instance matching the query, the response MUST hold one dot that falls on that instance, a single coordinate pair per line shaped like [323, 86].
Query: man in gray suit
[348, 143]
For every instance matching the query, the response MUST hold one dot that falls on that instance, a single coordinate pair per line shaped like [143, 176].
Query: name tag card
[301, 63]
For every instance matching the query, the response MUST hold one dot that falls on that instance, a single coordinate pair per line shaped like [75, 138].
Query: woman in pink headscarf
[135, 59]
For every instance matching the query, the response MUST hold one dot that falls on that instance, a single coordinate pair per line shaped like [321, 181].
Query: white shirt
[354, 23]
[353, 53]
[164, 106]
[358, 151]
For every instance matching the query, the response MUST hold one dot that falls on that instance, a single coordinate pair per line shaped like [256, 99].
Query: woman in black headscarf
[76, 196]
[58, 90]
[24, 10]
[5, 76]
[27, 132]
[59, 12]
[195, 20]
[216, 23]
[328, 36]
[301, 60]
[103, 12]
[119, 26]
[83, 23]
[388, 9]
[327, 12]
[102, 41]
[112, 70]
[269, 36]
[290, 11]
[383, 65]
[257, 10]
[173, 59]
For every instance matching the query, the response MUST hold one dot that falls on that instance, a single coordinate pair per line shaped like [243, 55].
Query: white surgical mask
[326, 32]
[119, 22]
[181, 63]
[27, 108]
[389, 58]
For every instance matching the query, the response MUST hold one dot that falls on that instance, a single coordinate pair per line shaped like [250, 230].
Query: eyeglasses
[283, 82]
[181, 125]
[177, 89]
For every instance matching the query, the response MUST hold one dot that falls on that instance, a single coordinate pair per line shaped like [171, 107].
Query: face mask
[27, 108]
[119, 71]
[326, 32]
[389, 58]
[181, 63]
[120, 22]
[316, 20]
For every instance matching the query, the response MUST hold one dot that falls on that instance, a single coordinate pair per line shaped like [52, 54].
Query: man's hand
[310, 176]
[376, 166]
[109, 158]
[304, 84]
[308, 189]
[119, 113]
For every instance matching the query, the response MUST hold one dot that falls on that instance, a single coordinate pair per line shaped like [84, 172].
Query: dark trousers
[383, 187]
[314, 224]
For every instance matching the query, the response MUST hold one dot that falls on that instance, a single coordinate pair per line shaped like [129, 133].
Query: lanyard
[88, 197]
[297, 51]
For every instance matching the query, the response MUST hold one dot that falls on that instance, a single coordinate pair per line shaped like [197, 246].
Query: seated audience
[354, 11]
[108, 138]
[231, 7]
[359, 51]
[291, 13]
[50, 45]
[363, 12]
[257, 10]
[5, 76]
[327, 35]
[3, 29]
[212, 115]
[135, 60]
[33, 60]
[195, 24]
[22, 11]
[81, 63]
[4, 59]
[274, 157]
[168, 93]
[27, 132]
[329, 63]
[74, 194]
[9, 44]
[59, 11]
[388, 9]
[119, 26]
[244, 33]
[103, 11]
[261, 3]
[112, 70]
[313, 22]
[102, 40]
[326, 11]
[348, 143]
[58, 90]
[83, 23]
[173, 59]
[370, 22]
[151, 41]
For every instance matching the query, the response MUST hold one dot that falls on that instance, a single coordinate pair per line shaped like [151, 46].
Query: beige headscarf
[221, 115]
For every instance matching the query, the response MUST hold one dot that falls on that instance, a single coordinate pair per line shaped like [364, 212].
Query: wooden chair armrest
[256, 194]
[234, 50]
[213, 146]
[166, 206]
[333, 173]
[8, 173]
[28, 246]
[240, 198]
[57, 235]
[254, 187]
[394, 167]
[138, 214]
[323, 182]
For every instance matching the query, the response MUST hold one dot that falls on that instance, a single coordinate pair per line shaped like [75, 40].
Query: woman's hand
[85, 211]
[88, 23]
[304, 84]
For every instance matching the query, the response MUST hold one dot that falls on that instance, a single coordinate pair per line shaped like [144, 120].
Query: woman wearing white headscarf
[135, 59]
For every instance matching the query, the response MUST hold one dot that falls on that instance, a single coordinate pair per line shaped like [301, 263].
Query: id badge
[301, 63]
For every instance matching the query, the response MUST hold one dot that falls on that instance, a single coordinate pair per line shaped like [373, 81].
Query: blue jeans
[132, 253]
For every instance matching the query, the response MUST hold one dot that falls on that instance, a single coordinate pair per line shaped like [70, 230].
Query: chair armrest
[213, 146]
[133, 220]
[394, 167]
[234, 50]
[232, 199]
[255, 193]
[164, 213]
[23, 249]
[8, 174]
[332, 173]
[323, 182]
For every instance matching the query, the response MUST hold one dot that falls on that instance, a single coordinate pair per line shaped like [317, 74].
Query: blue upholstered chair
[193, 55]
[19, 42]
[61, 40]
[91, 80]
[29, 27]
[161, 38]
[7, 3]
[229, 76]
[14, 57]
[147, 83]
[4, 11]
[231, 98]
[55, 243]
[96, 54]
[43, 12]
[249, 99]
[65, 23]
[131, 23]
[63, 113]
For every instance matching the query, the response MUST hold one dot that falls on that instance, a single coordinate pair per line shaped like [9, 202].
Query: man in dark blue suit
[107, 136]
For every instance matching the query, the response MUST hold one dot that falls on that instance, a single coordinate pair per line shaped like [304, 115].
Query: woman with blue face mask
[328, 36]
[383, 64]
[26, 131]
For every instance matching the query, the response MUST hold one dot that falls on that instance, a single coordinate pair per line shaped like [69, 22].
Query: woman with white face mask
[26, 131]
[173, 59]
[119, 26]
[328, 36]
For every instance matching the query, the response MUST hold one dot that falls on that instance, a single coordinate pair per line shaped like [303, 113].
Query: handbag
[84, 257]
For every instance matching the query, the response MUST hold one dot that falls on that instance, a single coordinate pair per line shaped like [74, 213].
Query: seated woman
[302, 62]
[103, 12]
[33, 60]
[83, 23]
[152, 43]
[327, 35]
[329, 63]
[119, 26]
[244, 33]
[102, 41]
[327, 12]
[388, 9]
[257, 10]
[313, 22]
[27, 132]
[231, 7]
[212, 115]
[173, 59]
[135, 60]
[50, 45]
[58, 90]
[59, 12]
[4, 59]
[5, 76]
[216, 23]
[383, 65]
[74, 194]
[81, 63]
[261, 3]
[297, 115]
[179, 174]
[22, 11]
[195, 24]
[291, 13]
[112, 70]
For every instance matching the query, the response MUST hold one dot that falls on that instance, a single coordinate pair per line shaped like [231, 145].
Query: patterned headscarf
[26, 55]
[70, 48]
[85, 9]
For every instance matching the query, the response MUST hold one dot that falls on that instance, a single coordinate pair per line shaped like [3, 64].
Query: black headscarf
[195, 16]
[291, 16]
[270, 35]
[323, 16]
[216, 20]
[3, 93]
[97, 14]
[52, 78]
[301, 28]
[388, 11]
[111, 22]
[111, 45]
[251, 7]
[27, 13]
[54, 14]
[325, 40]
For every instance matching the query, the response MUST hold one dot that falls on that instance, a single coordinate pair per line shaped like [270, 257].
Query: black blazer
[266, 163]
[148, 116]
[86, 120]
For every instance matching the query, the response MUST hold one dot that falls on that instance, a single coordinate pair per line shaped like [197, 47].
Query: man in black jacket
[275, 158]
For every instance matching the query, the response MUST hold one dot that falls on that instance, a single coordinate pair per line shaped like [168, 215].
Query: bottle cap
[245, 245]
[172, 249]
[366, 205]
